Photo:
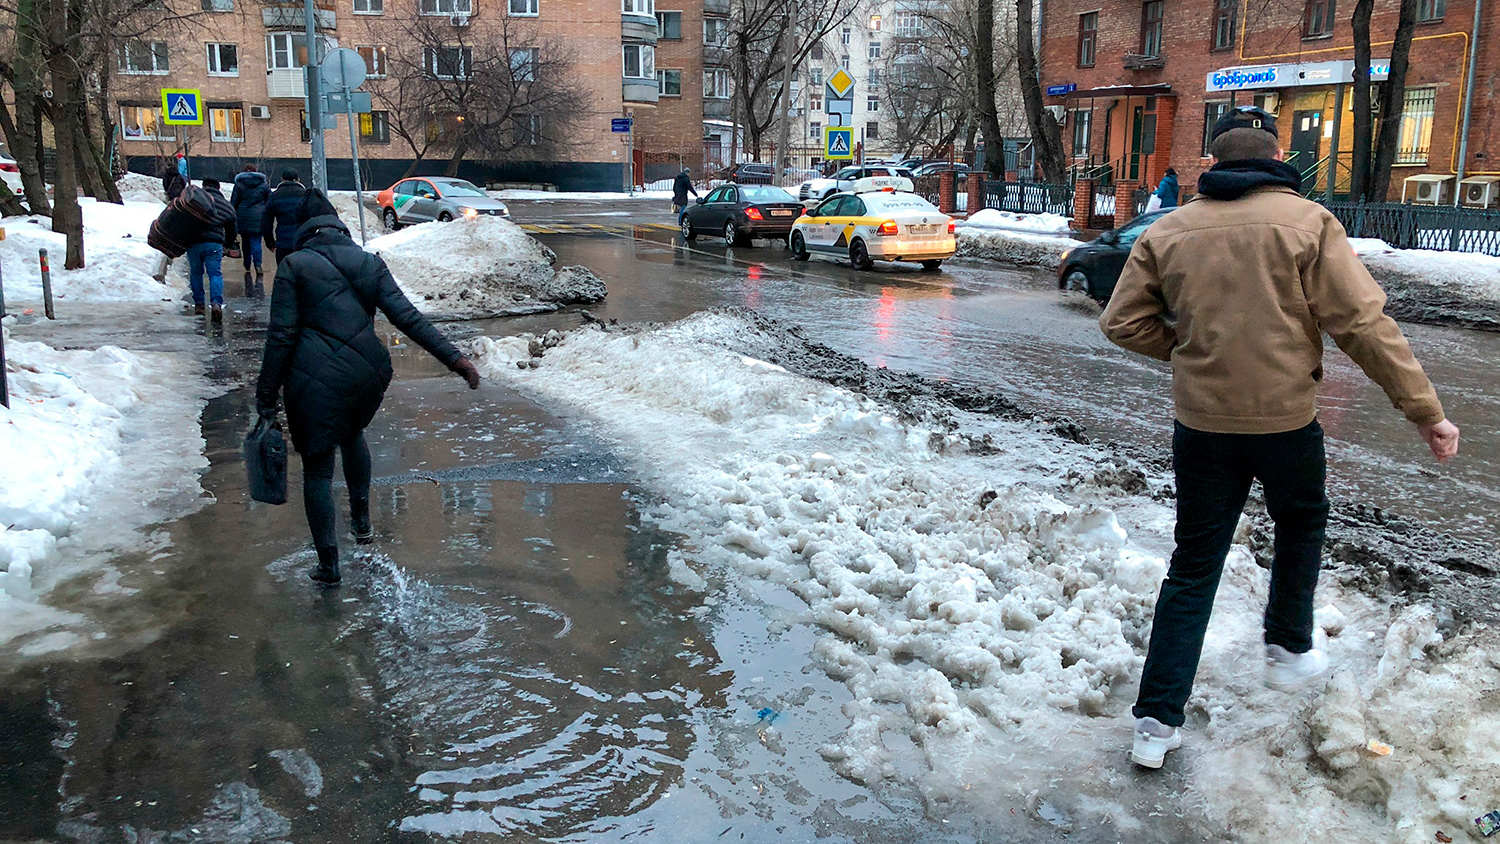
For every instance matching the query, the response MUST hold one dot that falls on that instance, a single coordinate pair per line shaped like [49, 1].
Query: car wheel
[391, 222]
[1077, 281]
[798, 247]
[732, 236]
[859, 256]
[687, 229]
[932, 266]
[445, 217]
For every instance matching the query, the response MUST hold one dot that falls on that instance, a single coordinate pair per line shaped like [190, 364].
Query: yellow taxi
[882, 224]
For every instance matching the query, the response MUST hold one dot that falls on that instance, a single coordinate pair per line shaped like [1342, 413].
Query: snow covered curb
[994, 218]
[986, 606]
[1444, 288]
[583, 196]
[1023, 248]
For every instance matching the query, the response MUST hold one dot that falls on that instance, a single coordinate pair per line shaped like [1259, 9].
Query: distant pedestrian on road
[680, 188]
[1236, 289]
[1168, 191]
[283, 214]
[322, 352]
[250, 196]
[182, 166]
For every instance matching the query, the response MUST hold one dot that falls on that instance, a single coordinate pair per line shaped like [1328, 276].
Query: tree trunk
[1359, 166]
[13, 140]
[101, 157]
[1392, 102]
[88, 172]
[1046, 136]
[67, 216]
[984, 68]
[26, 141]
[10, 206]
[457, 157]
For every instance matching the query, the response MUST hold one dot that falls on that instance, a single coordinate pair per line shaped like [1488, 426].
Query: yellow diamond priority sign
[840, 84]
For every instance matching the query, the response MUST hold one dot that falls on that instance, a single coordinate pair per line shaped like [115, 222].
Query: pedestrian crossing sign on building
[838, 142]
[181, 106]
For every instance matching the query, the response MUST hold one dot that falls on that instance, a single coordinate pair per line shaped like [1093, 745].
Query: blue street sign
[181, 106]
[838, 143]
[620, 124]
[1061, 90]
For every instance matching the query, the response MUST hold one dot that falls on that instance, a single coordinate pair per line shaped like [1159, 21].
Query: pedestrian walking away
[172, 184]
[1235, 289]
[283, 215]
[1167, 192]
[182, 166]
[197, 223]
[681, 186]
[324, 358]
[250, 195]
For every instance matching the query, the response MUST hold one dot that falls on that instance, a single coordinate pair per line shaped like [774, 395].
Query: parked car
[8, 165]
[816, 190]
[749, 173]
[875, 225]
[742, 212]
[1094, 268]
[427, 198]
[933, 168]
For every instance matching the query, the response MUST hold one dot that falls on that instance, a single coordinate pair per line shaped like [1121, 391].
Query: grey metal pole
[314, 98]
[359, 190]
[1463, 137]
[630, 155]
[1333, 149]
[46, 283]
[788, 47]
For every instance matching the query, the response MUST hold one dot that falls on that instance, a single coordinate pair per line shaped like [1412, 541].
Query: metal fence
[1407, 226]
[1029, 198]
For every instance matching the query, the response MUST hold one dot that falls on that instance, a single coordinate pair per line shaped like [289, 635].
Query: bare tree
[1046, 135]
[930, 81]
[1370, 177]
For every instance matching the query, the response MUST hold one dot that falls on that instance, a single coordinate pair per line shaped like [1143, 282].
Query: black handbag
[265, 461]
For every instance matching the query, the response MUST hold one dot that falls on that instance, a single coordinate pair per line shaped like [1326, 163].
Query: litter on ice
[989, 607]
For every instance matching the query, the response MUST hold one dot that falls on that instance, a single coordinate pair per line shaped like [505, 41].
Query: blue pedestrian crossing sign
[181, 106]
[838, 142]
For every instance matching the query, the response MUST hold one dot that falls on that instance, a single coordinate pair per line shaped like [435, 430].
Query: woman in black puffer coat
[323, 352]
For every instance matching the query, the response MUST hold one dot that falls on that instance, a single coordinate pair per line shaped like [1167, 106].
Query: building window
[716, 84]
[669, 25]
[815, 102]
[815, 130]
[1319, 19]
[638, 7]
[669, 82]
[1088, 38]
[816, 53]
[872, 104]
[144, 57]
[447, 62]
[375, 127]
[375, 60]
[1083, 125]
[1226, 21]
[715, 30]
[908, 25]
[1151, 15]
[218, 5]
[143, 123]
[1416, 125]
[524, 8]
[873, 51]
[1212, 111]
[447, 7]
[844, 61]
[1431, 10]
[873, 81]
[223, 59]
[369, 7]
[874, 23]
[302, 119]
[226, 123]
[285, 50]
[525, 63]
[846, 36]
[527, 130]
[815, 75]
[872, 130]
[640, 61]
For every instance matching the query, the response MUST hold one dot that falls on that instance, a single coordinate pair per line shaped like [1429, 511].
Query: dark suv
[1094, 267]
[750, 173]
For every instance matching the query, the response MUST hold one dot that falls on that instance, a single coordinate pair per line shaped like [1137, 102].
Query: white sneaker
[1153, 740]
[1288, 672]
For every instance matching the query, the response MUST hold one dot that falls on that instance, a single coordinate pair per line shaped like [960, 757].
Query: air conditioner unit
[1059, 113]
[459, 19]
[1480, 191]
[1425, 188]
[258, 112]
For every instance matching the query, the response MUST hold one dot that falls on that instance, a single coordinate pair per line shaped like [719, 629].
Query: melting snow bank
[1024, 248]
[96, 444]
[1439, 288]
[983, 603]
[482, 267]
[994, 218]
[119, 262]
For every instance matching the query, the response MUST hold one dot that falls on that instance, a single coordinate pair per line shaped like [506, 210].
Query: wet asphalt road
[510, 660]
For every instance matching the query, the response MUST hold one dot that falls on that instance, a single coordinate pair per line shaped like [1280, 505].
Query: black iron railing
[1029, 197]
[1407, 226]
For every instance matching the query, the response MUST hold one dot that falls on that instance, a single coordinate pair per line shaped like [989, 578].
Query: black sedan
[742, 212]
[1093, 268]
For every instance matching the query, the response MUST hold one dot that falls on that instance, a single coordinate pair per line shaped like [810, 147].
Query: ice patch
[300, 764]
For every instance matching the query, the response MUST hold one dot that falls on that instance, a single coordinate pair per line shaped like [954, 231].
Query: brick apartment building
[622, 57]
[1140, 81]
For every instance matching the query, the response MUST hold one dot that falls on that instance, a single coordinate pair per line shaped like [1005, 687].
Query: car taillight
[753, 214]
[952, 226]
[888, 228]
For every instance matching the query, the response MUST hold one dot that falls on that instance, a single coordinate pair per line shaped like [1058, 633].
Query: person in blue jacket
[182, 166]
[1167, 191]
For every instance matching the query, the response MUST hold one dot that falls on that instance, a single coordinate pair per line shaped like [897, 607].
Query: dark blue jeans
[250, 250]
[206, 258]
[1213, 473]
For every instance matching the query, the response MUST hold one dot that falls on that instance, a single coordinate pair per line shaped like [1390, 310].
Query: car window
[406, 188]
[828, 207]
[717, 195]
[765, 193]
[847, 173]
[730, 195]
[852, 207]
[459, 187]
[902, 171]
[1133, 229]
[424, 187]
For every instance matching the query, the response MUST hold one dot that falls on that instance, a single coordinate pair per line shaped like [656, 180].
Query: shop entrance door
[1307, 132]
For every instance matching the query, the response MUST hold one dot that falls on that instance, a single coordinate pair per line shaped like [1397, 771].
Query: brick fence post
[976, 192]
[1125, 201]
[946, 200]
[1083, 204]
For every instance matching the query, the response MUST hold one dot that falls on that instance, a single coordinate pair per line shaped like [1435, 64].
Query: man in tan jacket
[1235, 289]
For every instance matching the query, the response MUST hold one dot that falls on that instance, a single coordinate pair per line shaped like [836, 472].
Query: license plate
[928, 228]
[782, 212]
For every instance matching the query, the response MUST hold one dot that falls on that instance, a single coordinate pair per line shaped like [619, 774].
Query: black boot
[327, 572]
[249, 285]
[359, 513]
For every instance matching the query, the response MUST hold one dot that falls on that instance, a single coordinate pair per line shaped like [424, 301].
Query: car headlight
[1068, 254]
[471, 213]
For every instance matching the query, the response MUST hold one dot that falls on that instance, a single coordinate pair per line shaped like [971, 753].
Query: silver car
[427, 198]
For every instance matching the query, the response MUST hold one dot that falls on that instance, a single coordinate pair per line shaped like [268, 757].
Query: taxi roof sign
[841, 84]
[838, 143]
[181, 106]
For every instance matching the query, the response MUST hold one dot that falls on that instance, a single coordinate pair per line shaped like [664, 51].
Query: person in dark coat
[680, 187]
[250, 195]
[323, 355]
[283, 215]
[172, 184]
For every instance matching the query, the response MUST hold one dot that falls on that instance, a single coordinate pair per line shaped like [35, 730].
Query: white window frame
[875, 22]
[126, 122]
[531, 63]
[163, 54]
[815, 130]
[815, 75]
[661, 34]
[872, 50]
[646, 8]
[213, 55]
[381, 66]
[371, 7]
[661, 81]
[431, 63]
[908, 24]
[529, 8]
[717, 83]
[872, 103]
[226, 138]
[436, 8]
[290, 42]
[721, 24]
[645, 61]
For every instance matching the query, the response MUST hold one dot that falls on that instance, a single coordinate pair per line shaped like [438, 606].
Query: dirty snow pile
[91, 440]
[1026, 248]
[580, 196]
[138, 187]
[481, 267]
[994, 218]
[118, 262]
[988, 609]
[347, 205]
[1436, 278]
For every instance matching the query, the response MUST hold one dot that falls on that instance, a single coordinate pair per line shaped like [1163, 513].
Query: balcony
[286, 84]
[638, 29]
[716, 109]
[1135, 62]
[716, 7]
[291, 17]
[634, 90]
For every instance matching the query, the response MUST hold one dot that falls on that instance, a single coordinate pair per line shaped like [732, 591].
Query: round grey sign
[343, 69]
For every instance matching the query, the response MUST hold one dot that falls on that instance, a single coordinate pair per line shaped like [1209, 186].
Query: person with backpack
[282, 217]
[1236, 289]
[197, 223]
[325, 359]
[249, 197]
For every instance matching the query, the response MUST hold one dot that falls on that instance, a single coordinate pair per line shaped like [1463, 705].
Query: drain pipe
[1463, 138]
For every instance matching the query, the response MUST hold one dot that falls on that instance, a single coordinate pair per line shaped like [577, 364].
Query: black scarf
[1233, 179]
